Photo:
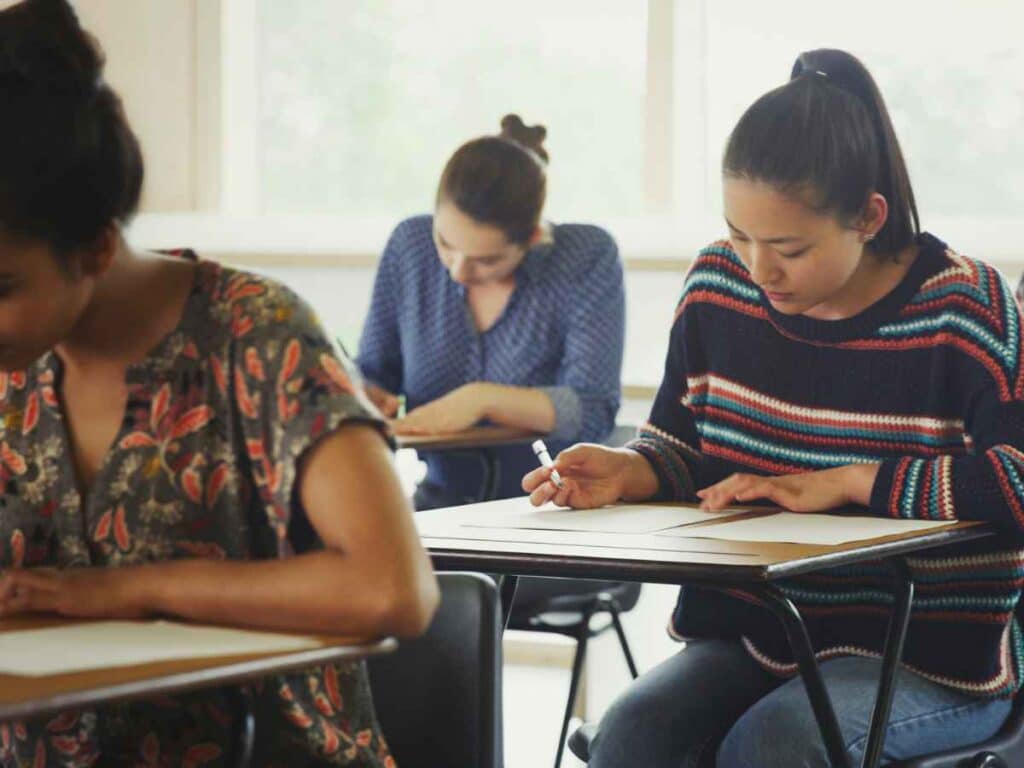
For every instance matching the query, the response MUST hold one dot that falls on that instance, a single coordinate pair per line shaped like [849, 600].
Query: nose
[763, 268]
[460, 269]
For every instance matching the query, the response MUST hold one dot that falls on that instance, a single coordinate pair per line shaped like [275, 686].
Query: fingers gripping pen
[545, 459]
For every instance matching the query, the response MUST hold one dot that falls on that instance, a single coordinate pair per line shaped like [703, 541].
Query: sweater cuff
[881, 491]
[675, 482]
[568, 413]
[915, 489]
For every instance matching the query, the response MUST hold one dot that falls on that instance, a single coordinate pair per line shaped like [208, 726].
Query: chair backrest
[438, 697]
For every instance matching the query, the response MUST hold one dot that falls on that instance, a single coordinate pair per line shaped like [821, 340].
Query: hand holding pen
[589, 475]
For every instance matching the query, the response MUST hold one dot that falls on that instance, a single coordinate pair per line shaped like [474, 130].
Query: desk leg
[490, 479]
[803, 652]
[507, 584]
[897, 633]
[243, 731]
[800, 644]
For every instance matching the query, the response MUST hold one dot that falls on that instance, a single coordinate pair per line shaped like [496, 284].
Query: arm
[582, 402]
[987, 484]
[380, 350]
[586, 393]
[661, 463]
[668, 440]
[372, 578]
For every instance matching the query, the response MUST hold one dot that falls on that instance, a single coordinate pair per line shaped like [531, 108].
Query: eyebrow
[484, 257]
[772, 240]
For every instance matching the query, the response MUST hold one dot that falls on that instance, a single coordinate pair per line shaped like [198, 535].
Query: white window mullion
[240, 108]
[659, 113]
[690, 97]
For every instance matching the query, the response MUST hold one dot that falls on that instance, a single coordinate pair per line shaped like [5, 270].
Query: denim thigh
[779, 731]
[675, 715]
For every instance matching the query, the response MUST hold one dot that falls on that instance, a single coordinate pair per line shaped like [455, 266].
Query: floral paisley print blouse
[204, 465]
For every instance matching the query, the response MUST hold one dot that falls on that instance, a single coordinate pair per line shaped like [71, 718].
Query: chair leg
[613, 610]
[577, 669]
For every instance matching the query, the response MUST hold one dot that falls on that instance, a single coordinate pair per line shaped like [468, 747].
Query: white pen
[545, 459]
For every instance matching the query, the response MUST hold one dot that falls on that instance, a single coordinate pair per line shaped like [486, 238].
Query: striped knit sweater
[928, 381]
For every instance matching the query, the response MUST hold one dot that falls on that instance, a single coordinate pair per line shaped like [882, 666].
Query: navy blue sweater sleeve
[669, 439]
[380, 349]
[988, 482]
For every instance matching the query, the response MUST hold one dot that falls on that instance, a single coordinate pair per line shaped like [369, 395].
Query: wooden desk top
[475, 437]
[654, 558]
[25, 697]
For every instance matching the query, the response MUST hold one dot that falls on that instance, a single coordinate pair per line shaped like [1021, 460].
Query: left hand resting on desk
[86, 592]
[804, 492]
[458, 410]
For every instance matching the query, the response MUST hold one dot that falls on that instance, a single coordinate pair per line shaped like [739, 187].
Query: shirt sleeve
[987, 483]
[587, 387]
[380, 351]
[669, 439]
[291, 387]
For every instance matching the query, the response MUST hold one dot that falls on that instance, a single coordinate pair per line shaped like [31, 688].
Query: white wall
[154, 55]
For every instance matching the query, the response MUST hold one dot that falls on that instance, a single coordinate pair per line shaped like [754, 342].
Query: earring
[869, 237]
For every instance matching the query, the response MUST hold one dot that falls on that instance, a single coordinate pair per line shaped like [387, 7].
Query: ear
[874, 216]
[96, 258]
[536, 237]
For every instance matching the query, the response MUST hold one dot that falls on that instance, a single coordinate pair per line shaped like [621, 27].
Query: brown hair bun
[530, 136]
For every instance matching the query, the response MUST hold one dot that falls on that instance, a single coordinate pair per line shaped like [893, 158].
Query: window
[361, 103]
[338, 117]
[951, 72]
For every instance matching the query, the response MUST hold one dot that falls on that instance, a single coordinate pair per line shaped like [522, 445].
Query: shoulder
[582, 251]
[250, 306]
[586, 242]
[413, 233]
[718, 276]
[967, 304]
[961, 289]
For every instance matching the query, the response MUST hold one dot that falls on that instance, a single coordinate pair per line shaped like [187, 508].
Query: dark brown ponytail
[827, 132]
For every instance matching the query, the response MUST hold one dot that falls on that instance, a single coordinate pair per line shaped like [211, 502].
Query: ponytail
[826, 137]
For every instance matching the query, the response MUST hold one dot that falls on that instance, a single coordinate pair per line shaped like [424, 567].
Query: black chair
[439, 696]
[566, 607]
[1004, 750]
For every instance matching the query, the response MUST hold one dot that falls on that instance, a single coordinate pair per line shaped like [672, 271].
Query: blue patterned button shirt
[562, 332]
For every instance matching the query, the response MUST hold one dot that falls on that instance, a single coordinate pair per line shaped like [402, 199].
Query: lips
[776, 296]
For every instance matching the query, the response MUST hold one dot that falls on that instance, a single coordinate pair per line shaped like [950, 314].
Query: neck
[113, 324]
[874, 278]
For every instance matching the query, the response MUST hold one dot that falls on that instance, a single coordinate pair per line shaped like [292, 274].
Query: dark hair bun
[530, 136]
[72, 165]
[42, 41]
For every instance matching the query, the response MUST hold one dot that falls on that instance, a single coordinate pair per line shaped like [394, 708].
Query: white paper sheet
[621, 518]
[99, 645]
[796, 528]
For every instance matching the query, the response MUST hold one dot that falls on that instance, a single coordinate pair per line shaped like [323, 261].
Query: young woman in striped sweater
[827, 354]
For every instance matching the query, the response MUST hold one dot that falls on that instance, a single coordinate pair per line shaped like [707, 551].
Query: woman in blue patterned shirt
[484, 312]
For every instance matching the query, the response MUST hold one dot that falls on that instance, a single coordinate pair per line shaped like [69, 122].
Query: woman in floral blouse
[176, 438]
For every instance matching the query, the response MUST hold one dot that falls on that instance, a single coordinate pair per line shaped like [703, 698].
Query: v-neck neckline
[156, 362]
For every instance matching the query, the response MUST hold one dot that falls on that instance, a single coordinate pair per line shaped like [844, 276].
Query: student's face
[39, 301]
[800, 258]
[473, 253]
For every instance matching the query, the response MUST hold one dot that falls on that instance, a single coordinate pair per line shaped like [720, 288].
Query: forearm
[858, 480]
[524, 407]
[324, 591]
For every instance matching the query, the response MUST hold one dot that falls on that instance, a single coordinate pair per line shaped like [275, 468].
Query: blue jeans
[712, 705]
